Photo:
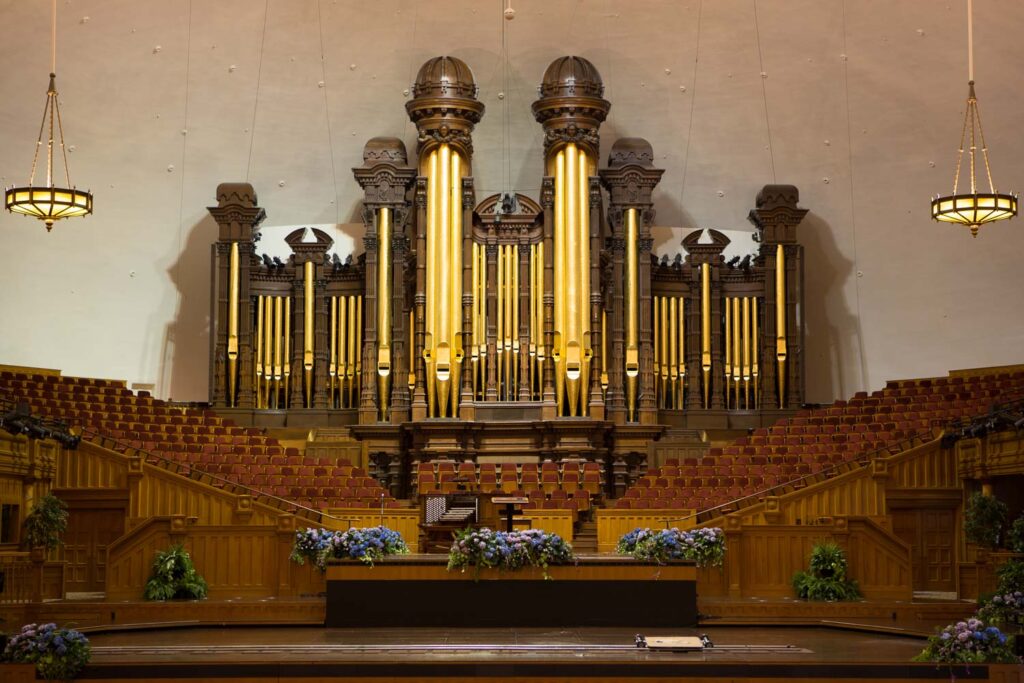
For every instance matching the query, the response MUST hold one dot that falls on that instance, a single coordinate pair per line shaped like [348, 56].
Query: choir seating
[197, 442]
[819, 440]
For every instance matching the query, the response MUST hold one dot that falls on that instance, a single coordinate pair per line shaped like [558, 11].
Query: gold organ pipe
[673, 350]
[560, 332]
[442, 331]
[604, 351]
[663, 369]
[356, 381]
[350, 370]
[233, 304]
[583, 298]
[780, 320]
[532, 349]
[542, 350]
[754, 337]
[307, 337]
[682, 353]
[514, 303]
[342, 342]
[454, 276]
[383, 312]
[278, 314]
[412, 349]
[632, 315]
[656, 309]
[705, 330]
[747, 343]
[259, 351]
[571, 333]
[332, 366]
[499, 343]
[728, 348]
[737, 354]
[268, 346]
[433, 212]
[287, 345]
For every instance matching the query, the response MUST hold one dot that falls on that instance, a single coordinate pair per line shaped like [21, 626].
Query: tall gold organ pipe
[307, 336]
[442, 259]
[454, 277]
[747, 344]
[259, 352]
[737, 353]
[663, 325]
[433, 213]
[705, 330]
[682, 353]
[728, 349]
[233, 303]
[332, 366]
[532, 349]
[383, 313]
[499, 343]
[560, 333]
[604, 352]
[656, 321]
[278, 334]
[287, 346]
[481, 300]
[780, 320]
[412, 349]
[342, 342]
[583, 298]
[353, 332]
[268, 347]
[754, 369]
[514, 304]
[632, 303]
[474, 348]
[673, 350]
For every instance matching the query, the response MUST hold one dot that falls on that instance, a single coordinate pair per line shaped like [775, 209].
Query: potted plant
[826, 579]
[174, 577]
[984, 519]
[45, 524]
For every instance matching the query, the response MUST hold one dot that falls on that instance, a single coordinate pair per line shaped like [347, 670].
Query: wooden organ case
[512, 328]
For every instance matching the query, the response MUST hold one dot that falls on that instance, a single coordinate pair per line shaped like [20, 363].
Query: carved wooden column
[776, 217]
[547, 201]
[699, 254]
[385, 177]
[596, 399]
[466, 407]
[237, 215]
[419, 396]
[314, 252]
[630, 179]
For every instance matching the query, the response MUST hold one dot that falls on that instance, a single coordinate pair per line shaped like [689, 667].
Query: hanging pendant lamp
[976, 208]
[48, 202]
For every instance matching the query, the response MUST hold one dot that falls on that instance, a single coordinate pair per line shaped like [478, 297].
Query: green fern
[826, 579]
[174, 577]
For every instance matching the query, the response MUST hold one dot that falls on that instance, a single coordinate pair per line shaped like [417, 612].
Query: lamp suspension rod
[970, 40]
[53, 38]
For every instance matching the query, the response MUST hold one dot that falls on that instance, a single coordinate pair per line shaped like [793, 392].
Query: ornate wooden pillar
[237, 216]
[630, 179]
[776, 217]
[547, 201]
[707, 338]
[466, 407]
[314, 253]
[385, 177]
[596, 399]
[419, 396]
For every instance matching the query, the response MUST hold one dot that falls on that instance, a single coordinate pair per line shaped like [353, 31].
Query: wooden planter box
[418, 590]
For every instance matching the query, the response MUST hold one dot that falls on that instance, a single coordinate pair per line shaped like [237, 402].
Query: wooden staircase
[585, 538]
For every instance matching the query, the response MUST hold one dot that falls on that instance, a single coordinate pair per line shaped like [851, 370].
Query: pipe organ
[550, 311]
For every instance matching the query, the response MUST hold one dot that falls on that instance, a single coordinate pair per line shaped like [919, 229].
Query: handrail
[187, 470]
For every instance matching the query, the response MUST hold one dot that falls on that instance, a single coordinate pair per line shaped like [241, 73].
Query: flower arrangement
[58, 653]
[367, 544]
[968, 642]
[484, 547]
[704, 546]
[826, 579]
[1005, 610]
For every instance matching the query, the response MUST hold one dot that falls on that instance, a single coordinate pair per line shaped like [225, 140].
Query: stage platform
[502, 654]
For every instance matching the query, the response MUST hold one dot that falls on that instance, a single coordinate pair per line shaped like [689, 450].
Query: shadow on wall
[186, 343]
[833, 346]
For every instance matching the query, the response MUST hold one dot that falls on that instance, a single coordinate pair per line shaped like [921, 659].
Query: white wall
[863, 100]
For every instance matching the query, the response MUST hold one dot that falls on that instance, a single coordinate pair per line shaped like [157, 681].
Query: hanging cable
[764, 93]
[327, 113]
[693, 101]
[256, 100]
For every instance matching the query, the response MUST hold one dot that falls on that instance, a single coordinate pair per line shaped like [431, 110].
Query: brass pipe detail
[583, 275]
[737, 353]
[287, 346]
[705, 330]
[442, 260]
[513, 303]
[233, 304]
[433, 213]
[383, 313]
[278, 335]
[307, 336]
[350, 370]
[682, 354]
[780, 320]
[632, 304]
[474, 349]
[454, 275]
[560, 331]
[728, 349]
[572, 332]
[268, 348]
[673, 351]
[332, 366]
[342, 342]
[259, 352]
[412, 349]
[754, 339]
[656, 318]
[604, 353]
[747, 343]
[663, 370]
[499, 344]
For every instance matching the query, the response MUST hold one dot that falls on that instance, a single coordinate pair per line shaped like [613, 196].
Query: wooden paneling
[996, 454]
[92, 467]
[405, 521]
[614, 523]
[89, 533]
[552, 521]
[436, 570]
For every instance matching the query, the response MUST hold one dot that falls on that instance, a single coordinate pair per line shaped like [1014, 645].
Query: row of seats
[819, 440]
[199, 441]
